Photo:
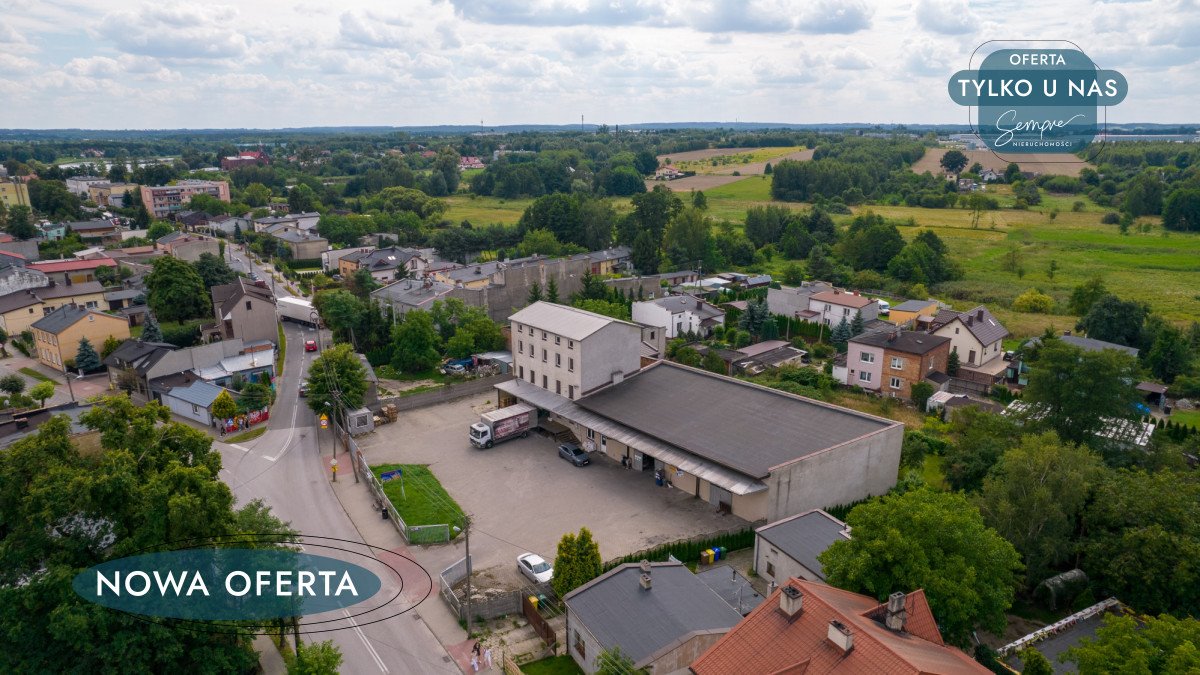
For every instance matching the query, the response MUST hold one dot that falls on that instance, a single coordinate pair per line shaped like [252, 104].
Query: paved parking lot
[523, 497]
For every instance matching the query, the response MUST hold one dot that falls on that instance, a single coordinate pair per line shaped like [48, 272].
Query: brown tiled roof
[843, 299]
[768, 642]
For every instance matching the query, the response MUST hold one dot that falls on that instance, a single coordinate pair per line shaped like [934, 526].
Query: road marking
[366, 643]
[292, 430]
[238, 447]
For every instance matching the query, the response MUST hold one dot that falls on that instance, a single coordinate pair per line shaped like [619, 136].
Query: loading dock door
[720, 498]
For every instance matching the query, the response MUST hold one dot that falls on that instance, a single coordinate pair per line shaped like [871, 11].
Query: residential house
[108, 194]
[789, 547]
[229, 225]
[190, 220]
[93, 230]
[609, 260]
[793, 301]
[408, 294]
[766, 455]
[150, 370]
[470, 162]
[163, 200]
[305, 221]
[50, 231]
[130, 363]
[831, 307]
[978, 338]
[660, 615]
[56, 336]
[1017, 370]
[679, 314]
[810, 628]
[244, 310]
[501, 287]
[78, 185]
[125, 297]
[187, 246]
[194, 400]
[20, 309]
[302, 245]
[14, 193]
[909, 311]
[890, 362]
[385, 264]
[330, 257]
[68, 271]
[245, 158]
[570, 351]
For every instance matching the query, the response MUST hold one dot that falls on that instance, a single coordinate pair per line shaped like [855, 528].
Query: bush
[1034, 301]
[687, 550]
[182, 335]
[920, 393]
[1111, 218]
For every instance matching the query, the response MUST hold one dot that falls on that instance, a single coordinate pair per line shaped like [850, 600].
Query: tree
[1034, 301]
[857, 325]
[159, 230]
[86, 358]
[841, 333]
[792, 274]
[1035, 497]
[552, 291]
[256, 194]
[1012, 173]
[935, 541]
[214, 271]
[12, 384]
[952, 363]
[302, 199]
[616, 310]
[576, 563]
[1130, 644]
[3, 342]
[540, 242]
[821, 265]
[176, 292]
[42, 391]
[920, 393]
[254, 396]
[644, 254]
[713, 362]
[754, 317]
[645, 162]
[613, 661]
[151, 332]
[1170, 354]
[535, 293]
[954, 161]
[415, 343]
[224, 407]
[980, 439]
[651, 212]
[152, 480]
[1141, 542]
[1114, 320]
[447, 164]
[699, 201]
[1086, 294]
[338, 378]
[1075, 392]
[316, 658]
[1182, 211]
[20, 222]
[1034, 663]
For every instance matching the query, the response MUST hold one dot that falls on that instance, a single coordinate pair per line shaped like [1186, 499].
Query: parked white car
[535, 568]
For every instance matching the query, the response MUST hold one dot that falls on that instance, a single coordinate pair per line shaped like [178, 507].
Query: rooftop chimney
[896, 613]
[979, 315]
[644, 577]
[893, 335]
[791, 601]
[841, 636]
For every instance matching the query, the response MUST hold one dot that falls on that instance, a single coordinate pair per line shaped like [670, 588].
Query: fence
[509, 666]
[539, 624]
[445, 393]
[413, 534]
[508, 602]
[688, 550]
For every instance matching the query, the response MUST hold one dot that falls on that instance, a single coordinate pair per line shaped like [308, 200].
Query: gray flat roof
[619, 612]
[740, 425]
[733, 588]
[805, 536]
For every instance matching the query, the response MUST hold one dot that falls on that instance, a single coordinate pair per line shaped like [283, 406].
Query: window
[532, 351]
[521, 346]
[956, 330]
[571, 392]
[845, 311]
[31, 310]
[92, 319]
[195, 409]
[543, 335]
[894, 383]
[247, 305]
[558, 387]
[971, 356]
[771, 569]
[897, 363]
[570, 344]
[558, 360]
[545, 382]
[532, 376]
[866, 357]
[651, 335]
[557, 340]
[864, 376]
[544, 356]
[579, 648]
[521, 372]
[591, 434]
[571, 364]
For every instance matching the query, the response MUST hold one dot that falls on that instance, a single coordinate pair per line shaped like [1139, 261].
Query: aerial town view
[620, 337]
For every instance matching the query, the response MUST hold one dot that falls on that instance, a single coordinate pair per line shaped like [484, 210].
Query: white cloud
[177, 31]
[949, 17]
[836, 16]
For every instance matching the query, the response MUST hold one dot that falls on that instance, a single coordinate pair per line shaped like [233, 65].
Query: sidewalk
[83, 389]
[358, 503]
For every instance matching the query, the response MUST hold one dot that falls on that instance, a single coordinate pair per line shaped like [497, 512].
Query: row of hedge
[687, 550]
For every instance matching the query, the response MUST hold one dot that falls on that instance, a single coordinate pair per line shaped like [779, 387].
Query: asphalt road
[285, 469]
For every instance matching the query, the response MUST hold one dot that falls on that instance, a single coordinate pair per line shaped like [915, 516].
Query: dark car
[574, 454]
[303, 390]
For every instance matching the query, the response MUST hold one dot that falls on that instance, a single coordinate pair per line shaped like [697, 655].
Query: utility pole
[467, 535]
[67, 377]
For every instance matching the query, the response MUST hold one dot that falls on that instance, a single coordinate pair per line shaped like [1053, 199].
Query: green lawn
[552, 665]
[423, 500]
[932, 472]
[280, 353]
[485, 210]
[247, 435]
[1186, 417]
[37, 375]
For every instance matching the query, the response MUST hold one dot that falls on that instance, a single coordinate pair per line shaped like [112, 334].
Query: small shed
[1155, 393]
[360, 421]
[193, 401]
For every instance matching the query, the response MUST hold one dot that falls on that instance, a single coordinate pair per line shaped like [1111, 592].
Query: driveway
[522, 497]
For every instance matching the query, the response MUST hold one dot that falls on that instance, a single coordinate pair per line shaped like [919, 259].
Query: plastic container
[716, 554]
[724, 552]
[533, 600]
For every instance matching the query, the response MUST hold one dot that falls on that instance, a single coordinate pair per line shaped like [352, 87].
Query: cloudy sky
[268, 63]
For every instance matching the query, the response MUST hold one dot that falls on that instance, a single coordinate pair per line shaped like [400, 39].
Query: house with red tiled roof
[809, 628]
[69, 271]
[832, 306]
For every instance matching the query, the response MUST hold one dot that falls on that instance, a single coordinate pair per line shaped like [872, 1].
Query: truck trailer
[500, 425]
[295, 309]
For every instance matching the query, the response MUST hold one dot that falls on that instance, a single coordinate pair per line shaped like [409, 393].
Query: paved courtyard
[522, 497]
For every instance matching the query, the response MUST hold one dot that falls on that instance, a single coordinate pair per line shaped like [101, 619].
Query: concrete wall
[256, 323]
[688, 650]
[752, 507]
[187, 410]
[855, 470]
[784, 566]
[592, 646]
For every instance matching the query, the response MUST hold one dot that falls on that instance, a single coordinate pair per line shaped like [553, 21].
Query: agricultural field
[724, 161]
[1051, 163]
[484, 210]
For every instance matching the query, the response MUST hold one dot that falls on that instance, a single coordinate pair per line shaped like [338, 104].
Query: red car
[310, 345]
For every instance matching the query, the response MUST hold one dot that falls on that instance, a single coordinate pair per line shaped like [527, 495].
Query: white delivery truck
[500, 425]
[295, 309]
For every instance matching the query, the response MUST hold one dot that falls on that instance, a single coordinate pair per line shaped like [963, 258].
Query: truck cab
[481, 435]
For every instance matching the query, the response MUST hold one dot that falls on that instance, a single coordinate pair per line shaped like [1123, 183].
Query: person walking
[487, 657]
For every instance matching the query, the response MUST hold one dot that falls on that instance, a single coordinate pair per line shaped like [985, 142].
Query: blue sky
[273, 64]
